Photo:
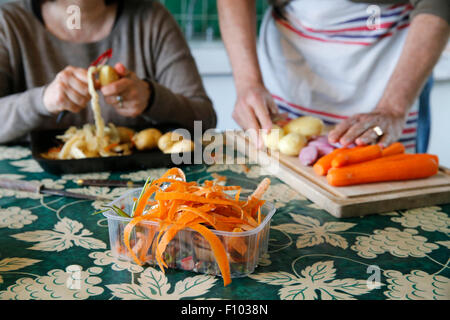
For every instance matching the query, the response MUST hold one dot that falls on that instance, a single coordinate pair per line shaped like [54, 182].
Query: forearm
[238, 28]
[426, 39]
[20, 113]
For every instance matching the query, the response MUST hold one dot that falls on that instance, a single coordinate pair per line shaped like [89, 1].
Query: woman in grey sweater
[45, 52]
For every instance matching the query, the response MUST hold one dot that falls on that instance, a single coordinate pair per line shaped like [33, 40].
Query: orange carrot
[218, 250]
[238, 243]
[322, 165]
[362, 154]
[414, 166]
[395, 148]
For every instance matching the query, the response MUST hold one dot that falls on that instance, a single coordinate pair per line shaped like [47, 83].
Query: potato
[167, 140]
[125, 134]
[107, 75]
[181, 146]
[306, 126]
[272, 139]
[147, 139]
[292, 143]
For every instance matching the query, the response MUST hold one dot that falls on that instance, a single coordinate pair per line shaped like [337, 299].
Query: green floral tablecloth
[53, 248]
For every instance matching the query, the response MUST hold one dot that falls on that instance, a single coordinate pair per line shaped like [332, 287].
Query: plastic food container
[189, 250]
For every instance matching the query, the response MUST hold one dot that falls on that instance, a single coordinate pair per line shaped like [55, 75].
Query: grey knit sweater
[145, 38]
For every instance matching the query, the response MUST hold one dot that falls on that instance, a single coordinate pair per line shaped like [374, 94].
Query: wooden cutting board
[349, 201]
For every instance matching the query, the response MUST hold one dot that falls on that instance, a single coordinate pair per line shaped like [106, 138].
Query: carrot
[395, 148]
[180, 205]
[322, 165]
[362, 154]
[399, 157]
[414, 166]
[111, 146]
[218, 250]
[238, 243]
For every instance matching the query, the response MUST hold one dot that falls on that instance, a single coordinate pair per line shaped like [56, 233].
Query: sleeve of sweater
[20, 112]
[440, 8]
[178, 92]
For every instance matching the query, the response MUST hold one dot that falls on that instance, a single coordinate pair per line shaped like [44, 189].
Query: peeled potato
[147, 139]
[166, 141]
[272, 139]
[181, 146]
[107, 75]
[306, 126]
[292, 143]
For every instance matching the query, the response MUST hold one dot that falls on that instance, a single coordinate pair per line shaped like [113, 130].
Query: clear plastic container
[189, 250]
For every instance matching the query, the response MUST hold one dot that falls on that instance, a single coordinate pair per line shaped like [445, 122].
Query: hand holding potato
[68, 91]
[135, 93]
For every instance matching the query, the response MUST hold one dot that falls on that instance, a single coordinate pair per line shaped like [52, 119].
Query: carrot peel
[182, 205]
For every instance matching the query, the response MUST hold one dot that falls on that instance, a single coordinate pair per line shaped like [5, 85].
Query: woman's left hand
[359, 129]
[129, 95]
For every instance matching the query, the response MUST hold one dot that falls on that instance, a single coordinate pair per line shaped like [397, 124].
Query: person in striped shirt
[358, 65]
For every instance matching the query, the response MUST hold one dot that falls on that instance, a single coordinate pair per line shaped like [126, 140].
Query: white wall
[215, 69]
[440, 122]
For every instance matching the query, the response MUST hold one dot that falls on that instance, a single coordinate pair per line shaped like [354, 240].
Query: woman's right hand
[253, 110]
[68, 91]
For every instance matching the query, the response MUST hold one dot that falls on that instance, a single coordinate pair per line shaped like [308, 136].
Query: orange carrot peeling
[175, 205]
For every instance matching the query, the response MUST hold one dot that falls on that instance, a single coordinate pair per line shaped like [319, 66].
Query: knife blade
[109, 183]
[36, 187]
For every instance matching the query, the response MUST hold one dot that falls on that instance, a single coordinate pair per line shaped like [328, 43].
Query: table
[54, 248]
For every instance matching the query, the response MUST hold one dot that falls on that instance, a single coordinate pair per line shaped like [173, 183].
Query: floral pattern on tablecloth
[54, 248]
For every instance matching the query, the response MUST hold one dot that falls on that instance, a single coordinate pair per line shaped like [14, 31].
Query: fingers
[273, 108]
[117, 88]
[68, 91]
[246, 119]
[354, 132]
[76, 98]
[78, 85]
[368, 137]
[70, 100]
[359, 129]
[335, 135]
[261, 110]
[386, 140]
[121, 70]
[80, 74]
